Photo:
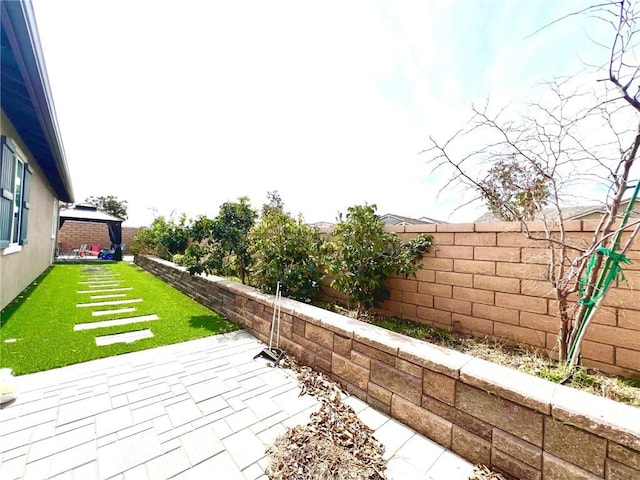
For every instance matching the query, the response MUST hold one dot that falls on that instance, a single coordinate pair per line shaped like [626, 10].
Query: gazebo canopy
[89, 213]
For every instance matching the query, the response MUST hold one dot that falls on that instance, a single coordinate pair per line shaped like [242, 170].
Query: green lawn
[37, 329]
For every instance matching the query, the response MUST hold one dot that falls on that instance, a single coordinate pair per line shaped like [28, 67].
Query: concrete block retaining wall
[525, 426]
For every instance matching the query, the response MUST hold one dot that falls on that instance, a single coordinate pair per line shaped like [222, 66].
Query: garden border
[489, 414]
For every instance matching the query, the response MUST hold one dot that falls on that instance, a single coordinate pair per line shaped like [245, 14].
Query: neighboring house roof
[393, 219]
[321, 224]
[487, 217]
[431, 220]
[26, 96]
[569, 213]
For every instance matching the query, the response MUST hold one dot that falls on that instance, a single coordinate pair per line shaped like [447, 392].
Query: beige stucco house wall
[30, 143]
[19, 267]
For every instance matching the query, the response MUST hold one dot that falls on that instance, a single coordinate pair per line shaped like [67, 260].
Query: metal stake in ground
[272, 353]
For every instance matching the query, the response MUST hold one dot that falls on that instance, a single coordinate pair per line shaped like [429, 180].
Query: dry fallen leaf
[335, 444]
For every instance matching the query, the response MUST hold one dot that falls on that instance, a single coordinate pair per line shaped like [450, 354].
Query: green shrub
[144, 242]
[173, 235]
[288, 251]
[204, 254]
[231, 229]
[364, 255]
[220, 246]
[164, 238]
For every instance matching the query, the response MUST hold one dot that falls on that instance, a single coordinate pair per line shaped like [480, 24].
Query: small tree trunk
[241, 269]
[563, 333]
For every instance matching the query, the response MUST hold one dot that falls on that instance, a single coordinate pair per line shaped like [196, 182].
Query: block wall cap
[434, 357]
[455, 227]
[607, 418]
[378, 337]
[239, 288]
[315, 315]
[498, 227]
[166, 263]
[420, 228]
[320, 317]
[523, 388]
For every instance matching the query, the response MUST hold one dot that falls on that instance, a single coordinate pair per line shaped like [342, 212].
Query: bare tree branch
[572, 137]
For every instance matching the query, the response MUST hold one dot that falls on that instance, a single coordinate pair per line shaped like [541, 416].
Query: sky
[182, 106]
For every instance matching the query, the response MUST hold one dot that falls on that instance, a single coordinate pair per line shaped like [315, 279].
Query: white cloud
[183, 106]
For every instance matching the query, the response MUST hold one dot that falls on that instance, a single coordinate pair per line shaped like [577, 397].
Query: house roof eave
[32, 110]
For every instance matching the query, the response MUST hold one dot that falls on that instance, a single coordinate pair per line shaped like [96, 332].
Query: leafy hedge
[359, 254]
[364, 255]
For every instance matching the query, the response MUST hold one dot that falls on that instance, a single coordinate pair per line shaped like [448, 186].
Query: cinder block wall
[488, 279]
[525, 426]
[74, 233]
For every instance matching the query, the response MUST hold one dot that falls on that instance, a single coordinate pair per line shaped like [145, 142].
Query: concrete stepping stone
[96, 271]
[114, 323]
[112, 295]
[121, 289]
[109, 302]
[99, 313]
[96, 282]
[127, 337]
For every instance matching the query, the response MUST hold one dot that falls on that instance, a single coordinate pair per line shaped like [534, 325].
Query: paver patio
[187, 410]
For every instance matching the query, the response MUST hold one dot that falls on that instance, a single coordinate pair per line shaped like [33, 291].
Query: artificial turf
[36, 329]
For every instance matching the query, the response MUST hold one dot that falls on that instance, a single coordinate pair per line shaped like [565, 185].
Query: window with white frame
[16, 221]
[54, 219]
[15, 174]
